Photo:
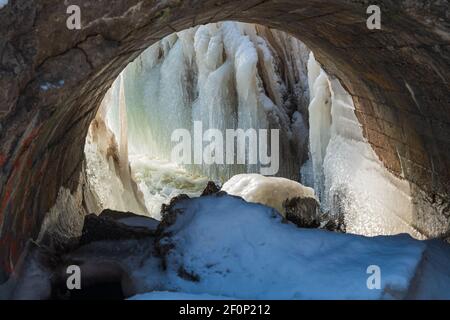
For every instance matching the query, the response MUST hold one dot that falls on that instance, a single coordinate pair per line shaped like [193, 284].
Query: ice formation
[107, 161]
[270, 191]
[226, 75]
[348, 176]
[319, 122]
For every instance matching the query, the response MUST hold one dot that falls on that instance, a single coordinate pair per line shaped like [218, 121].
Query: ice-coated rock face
[348, 175]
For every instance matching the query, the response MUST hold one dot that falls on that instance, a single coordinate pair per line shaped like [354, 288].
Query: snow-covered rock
[243, 250]
[222, 247]
[270, 191]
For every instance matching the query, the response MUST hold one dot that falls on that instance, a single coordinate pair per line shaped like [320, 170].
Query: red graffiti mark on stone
[2, 160]
[4, 202]
[5, 243]
[33, 134]
[14, 252]
[29, 161]
[7, 196]
[16, 164]
[28, 224]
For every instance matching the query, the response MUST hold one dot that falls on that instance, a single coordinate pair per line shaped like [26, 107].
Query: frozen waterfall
[226, 76]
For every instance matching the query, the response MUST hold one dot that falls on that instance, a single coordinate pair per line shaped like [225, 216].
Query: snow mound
[166, 295]
[270, 191]
[223, 246]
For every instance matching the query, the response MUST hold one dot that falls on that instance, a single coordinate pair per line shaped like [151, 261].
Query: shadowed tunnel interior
[52, 81]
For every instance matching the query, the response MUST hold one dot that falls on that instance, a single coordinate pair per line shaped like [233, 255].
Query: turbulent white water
[348, 176]
[161, 180]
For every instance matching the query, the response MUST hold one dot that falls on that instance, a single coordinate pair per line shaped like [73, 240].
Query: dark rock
[186, 275]
[303, 212]
[332, 223]
[105, 280]
[3, 276]
[117, 215]
[131, 219]
[445, 237]
[211, 188]
[97, 228]
[169, 214]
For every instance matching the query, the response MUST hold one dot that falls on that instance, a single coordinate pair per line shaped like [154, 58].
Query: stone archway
[53, 79]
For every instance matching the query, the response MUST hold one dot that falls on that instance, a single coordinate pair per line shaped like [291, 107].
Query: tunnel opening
[232, 76]
[52, 94]
[204, 104]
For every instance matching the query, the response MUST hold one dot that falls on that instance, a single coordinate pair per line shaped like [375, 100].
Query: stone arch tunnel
[53, 79]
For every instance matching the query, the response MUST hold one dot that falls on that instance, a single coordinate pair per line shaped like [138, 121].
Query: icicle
[123, 136]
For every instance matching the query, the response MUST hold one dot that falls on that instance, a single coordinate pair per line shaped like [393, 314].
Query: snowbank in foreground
[224, 246]
[270, 191]
[166, 295]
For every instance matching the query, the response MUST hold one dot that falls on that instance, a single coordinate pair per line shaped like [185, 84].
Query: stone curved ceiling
[53, 79]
